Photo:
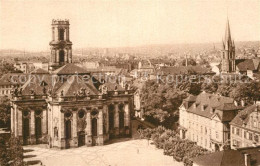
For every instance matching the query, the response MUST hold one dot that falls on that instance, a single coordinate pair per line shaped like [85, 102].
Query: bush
[11, 152]
[181, 150]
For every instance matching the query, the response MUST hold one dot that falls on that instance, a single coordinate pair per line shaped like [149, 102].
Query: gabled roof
[38, 85]
[70, 69]
[73, 85]
[243, 116]
[207, 105]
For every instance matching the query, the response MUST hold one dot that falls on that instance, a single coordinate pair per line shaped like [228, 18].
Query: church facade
[68, 106]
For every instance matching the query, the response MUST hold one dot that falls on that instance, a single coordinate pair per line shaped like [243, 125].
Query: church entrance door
[94, 131]
[68, 133]
[26, 131]
[38, 126]
[81, 137]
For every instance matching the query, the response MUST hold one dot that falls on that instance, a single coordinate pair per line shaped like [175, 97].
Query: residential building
[245, 127]
[239, 157]
[205, 118]
[10, 81]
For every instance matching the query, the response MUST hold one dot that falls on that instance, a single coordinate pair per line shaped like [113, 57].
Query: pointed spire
[228, 34]
[223, 45]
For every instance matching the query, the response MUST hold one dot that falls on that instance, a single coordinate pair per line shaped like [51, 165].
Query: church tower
[228, 52]
[61, 46]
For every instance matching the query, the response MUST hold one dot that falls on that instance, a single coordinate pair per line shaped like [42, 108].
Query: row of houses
[214, 121]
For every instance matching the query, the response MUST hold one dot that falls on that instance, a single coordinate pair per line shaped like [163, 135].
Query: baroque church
[68, 106]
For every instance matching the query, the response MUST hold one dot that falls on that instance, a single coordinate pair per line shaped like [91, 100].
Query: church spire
[228, 34]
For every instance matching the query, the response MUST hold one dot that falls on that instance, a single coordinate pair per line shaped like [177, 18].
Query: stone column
[44, 125]
[100, 127]
[57, 33]
[67, 34]
[107, 118]
[116, 120]
[57, 56]
[127, 119]
[67, 55]
[61, 131]
[12, 120]
[74, 129]
[53, 33]
[88, 138]
[32, 128]
[19, 123]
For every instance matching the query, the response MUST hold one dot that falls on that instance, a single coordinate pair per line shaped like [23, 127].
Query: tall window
[238, 131]
[250, 136]
[111, 109]
[68, 129]
[61, 34]
[245, 134]
[94, 126]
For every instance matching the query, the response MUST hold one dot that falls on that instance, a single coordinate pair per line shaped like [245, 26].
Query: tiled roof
[221, 158]
[39, 71]
[70, 69]
[207, 105]
[248, 64]
[37, 85]
[184, 70]
[73, 85]
[13, 79]
[111, 86]
[243, 116]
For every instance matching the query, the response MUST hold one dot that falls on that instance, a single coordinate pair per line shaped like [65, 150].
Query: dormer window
[212, 110]
[203, 107]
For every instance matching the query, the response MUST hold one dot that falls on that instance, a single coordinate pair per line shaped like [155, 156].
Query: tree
[191, 62]
[5, 111]
[11, 152]
[248, 92]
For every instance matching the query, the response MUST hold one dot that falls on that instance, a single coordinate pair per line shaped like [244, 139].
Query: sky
[26, 24]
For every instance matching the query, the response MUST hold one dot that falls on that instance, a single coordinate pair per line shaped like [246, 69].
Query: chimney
[242, 103]
[235, 102]
[186, 60]
[247, 159]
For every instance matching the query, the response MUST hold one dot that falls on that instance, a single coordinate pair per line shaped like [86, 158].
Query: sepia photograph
[129, 82]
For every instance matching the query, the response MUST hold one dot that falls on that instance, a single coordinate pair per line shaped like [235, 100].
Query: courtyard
[122, 152]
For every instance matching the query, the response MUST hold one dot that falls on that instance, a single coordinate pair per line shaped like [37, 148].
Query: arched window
[61, 56]
[111, 109]
[68, 129]
[38, 124]
[61, 34]
[121, 116]
[94, 127]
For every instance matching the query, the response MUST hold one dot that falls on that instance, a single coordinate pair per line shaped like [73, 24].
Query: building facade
[245, 127]
[69, 107]
[205, 118]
